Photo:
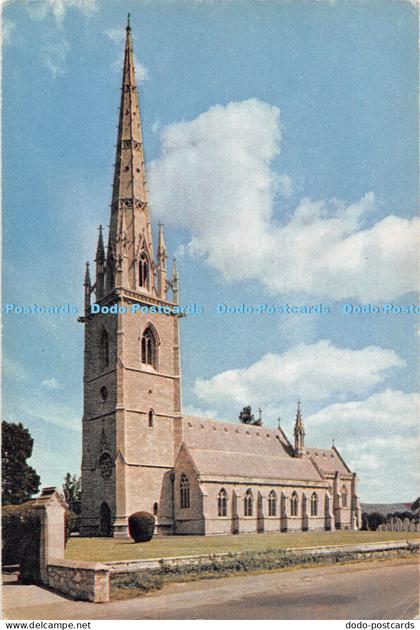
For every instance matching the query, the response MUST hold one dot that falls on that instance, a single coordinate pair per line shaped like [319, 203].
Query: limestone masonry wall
[80, 580]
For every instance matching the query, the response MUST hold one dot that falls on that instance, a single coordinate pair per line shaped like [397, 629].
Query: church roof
[329, 460]
[227, 436]
[239, 450]
[239, 464]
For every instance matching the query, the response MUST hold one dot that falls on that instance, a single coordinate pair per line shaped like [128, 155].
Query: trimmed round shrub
[141, 526]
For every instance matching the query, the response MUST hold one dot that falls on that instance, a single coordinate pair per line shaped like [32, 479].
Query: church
[197, 476]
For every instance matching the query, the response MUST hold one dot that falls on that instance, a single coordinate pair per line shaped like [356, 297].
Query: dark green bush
[141, 526]
[21, 535]
[14, 530]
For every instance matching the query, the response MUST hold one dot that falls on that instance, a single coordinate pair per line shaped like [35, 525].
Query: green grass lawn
[107, 549]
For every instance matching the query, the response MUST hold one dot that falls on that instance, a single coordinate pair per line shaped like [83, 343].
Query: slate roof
[238, 464]
[329, 460]
[238, 450]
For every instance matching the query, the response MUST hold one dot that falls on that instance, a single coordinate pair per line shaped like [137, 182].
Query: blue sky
[281, 142]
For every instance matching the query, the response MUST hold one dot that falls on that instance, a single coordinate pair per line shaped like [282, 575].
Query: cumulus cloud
[379, 440]
[13, 370]
[58, 8]
[54, 55]
[215, 177]
[387, 408]
[192, 410]
[50, 383]
[312, 371]
[8, 27]
[117, 36]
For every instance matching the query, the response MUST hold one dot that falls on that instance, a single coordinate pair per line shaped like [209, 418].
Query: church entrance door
[105, 524]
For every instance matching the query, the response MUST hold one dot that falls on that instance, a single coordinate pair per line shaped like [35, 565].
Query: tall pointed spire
[100, 266]
[129, 195]
[299, 432]
[88, 290]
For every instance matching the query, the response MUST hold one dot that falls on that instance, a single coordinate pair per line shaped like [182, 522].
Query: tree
[19, 480]
[415, 507]
[364, 521]
[374, 519]
[246, 416]
[72, 490]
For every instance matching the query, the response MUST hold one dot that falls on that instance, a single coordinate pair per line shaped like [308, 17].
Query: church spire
[299, 432]
[100, 266]
[129, 195]
[88, 290]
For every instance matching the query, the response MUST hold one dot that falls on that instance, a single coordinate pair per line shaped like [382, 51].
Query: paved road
[379, 590]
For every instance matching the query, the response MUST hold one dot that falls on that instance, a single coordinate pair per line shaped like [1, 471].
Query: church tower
[132, 397]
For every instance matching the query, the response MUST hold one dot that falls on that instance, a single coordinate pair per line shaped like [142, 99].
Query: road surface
[369, 590]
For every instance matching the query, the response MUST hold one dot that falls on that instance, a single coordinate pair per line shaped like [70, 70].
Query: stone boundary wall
[366, 550]
[79, 580]
[91, 580]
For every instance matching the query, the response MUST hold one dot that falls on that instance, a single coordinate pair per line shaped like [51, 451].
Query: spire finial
[299, 431]
[87, 276]
[128, 28]
[174, 270]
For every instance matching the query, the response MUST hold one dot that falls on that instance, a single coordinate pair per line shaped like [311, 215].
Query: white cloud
[117, 36]
[13, 369]
[50, 383]
[36, 406]
[56, 47]
[58, 8]
[54, 55]
[8, 27]
[389, 408]
[192, 410]
[378, 438]
[311, 371]
[215, 177]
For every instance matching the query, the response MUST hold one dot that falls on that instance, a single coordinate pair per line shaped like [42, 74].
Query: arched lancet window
[148, 348]
[248, 501]
[344, 496]
[185, 492]
[143, 270]
[104, 349]
[155, 508]
[151, 418]
[314, 504]
[272, 504]
[294, 504]
[222, 503]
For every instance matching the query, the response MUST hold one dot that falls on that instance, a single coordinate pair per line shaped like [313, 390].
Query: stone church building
[197, 476]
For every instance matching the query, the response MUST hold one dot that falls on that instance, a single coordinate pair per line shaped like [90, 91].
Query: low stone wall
[367, 550]
[80, 580]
